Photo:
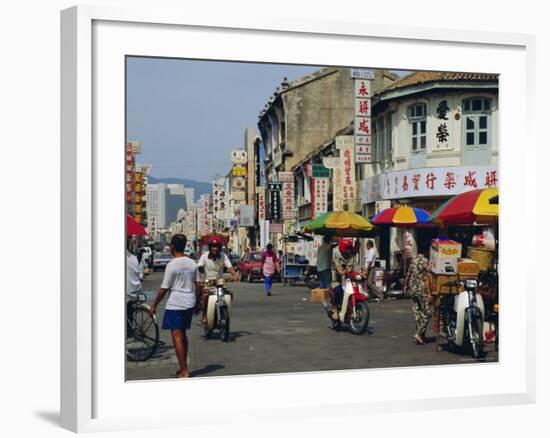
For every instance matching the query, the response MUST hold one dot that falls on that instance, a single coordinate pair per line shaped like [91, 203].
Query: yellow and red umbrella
[340, 223]
[473, 207]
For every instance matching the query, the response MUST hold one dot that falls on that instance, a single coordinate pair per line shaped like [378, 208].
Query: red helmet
[215, 241]
[345, 245]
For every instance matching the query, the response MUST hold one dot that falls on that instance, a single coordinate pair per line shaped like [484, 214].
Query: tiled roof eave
[420, 88]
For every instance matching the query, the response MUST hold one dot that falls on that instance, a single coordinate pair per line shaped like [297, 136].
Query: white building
[434, 135]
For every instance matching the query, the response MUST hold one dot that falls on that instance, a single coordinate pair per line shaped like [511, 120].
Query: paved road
[287, 333]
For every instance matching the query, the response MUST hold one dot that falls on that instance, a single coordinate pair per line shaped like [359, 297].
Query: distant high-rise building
[164, 201]
[190, 194]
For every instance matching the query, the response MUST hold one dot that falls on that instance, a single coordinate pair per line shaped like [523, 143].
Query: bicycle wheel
[143, 340]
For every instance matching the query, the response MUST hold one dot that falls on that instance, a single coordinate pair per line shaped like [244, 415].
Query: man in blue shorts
[181, 279]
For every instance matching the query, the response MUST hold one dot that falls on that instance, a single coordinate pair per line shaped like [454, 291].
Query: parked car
[250, 266]
[235, 259]
[160, 260]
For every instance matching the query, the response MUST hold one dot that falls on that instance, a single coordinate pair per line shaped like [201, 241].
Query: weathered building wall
[315, 111]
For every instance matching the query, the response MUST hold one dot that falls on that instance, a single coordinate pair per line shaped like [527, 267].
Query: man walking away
[324, 262]
[181, 279]
[368, 268]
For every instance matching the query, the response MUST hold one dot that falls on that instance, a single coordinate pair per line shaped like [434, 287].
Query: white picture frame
[94, 41]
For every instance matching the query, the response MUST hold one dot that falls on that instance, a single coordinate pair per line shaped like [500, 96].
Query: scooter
[311, 277]
[218, 309]
[463, 316]
[354, 310]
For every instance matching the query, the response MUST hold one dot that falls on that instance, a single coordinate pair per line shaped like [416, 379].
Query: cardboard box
[439, 264]
[319, 295]
[468, 267]
[446, 248]
[437, 282]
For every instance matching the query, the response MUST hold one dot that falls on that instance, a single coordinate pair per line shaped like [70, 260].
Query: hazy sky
[188, 115]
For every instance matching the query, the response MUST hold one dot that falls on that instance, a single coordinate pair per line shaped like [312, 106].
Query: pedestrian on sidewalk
[324, 262]
[181, 280]
[418, 283]
[269, 267]
[368, 269]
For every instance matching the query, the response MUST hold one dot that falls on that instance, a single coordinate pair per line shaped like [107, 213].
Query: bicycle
[142, 330]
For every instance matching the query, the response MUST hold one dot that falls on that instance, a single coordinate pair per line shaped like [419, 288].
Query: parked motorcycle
[463, 316]
[354, 310]
[311, 277]
[218, 309]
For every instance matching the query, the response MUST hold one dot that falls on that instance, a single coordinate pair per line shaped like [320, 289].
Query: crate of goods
[468, 268]
[320, 295]
[438, 281]
[444, 254]
[483, 256]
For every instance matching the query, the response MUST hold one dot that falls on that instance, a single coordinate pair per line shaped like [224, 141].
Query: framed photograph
[209, 167]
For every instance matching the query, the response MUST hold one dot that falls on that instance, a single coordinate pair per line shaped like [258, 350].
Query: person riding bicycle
[344, 262]
[211, 266]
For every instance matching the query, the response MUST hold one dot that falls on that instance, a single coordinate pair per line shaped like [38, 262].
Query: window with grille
[476, 121]
[418, 120]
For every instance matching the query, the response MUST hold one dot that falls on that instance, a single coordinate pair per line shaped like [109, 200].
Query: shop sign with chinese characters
[320, 195]
[287, 194]
[344, 178]
[427, 182]
[362, 120]
[275, 200]
[261, 206]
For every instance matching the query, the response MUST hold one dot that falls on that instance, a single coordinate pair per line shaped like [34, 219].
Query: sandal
[419, 341]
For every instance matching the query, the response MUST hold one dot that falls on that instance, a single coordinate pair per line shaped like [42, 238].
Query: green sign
[320, 171]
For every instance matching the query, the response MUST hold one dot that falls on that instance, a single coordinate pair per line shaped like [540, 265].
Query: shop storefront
[425, 188]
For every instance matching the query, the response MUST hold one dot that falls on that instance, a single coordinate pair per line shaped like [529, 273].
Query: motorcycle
[311, 277]
[354, 310]
[463, 316]
[218, 309]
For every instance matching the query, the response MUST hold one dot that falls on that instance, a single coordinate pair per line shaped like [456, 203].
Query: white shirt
[213, 269]
[179, 277]
[133, 282]
[369, 258]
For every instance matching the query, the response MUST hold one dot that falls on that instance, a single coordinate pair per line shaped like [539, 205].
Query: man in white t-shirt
[368, 268]
[211, 267]
[181, 279]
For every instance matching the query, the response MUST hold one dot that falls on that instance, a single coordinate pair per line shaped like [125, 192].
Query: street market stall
[407, 218]
[475, 210]
[294, 266]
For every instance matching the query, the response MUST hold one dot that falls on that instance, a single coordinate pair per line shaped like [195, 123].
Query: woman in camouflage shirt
[418, 283]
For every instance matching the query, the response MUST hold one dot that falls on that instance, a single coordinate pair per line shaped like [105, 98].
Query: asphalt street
[285, 332]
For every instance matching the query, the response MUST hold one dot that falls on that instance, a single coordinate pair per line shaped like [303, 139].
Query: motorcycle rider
[211, 265]
[344, 262]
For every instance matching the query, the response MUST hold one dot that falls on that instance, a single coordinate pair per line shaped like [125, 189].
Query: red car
[250, 266]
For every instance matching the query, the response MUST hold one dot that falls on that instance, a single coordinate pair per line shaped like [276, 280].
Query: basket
[483, 256]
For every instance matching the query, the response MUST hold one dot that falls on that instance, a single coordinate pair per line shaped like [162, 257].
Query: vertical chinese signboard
[275, 201]
[345, 172]
[138, 205]
[261, 205]
[362, 126]
[320, 198]
[129, 178]
[321, 181]
[287, 181]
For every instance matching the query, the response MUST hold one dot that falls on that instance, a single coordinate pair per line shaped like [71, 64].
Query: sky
[189, 115]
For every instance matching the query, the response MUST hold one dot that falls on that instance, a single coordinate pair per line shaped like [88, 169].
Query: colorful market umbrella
[133, 227]
[340, 223]
[408, 217]
[468, 208]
